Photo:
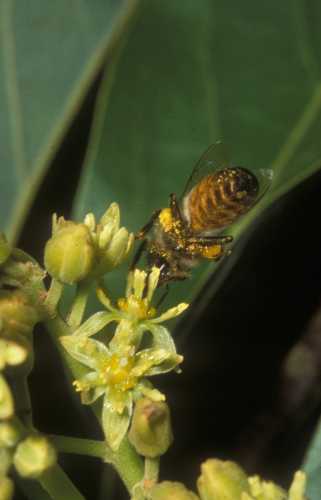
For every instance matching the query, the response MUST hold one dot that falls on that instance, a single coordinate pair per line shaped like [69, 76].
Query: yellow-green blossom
[136, 306]
[118, 369]
[267, 490]
[119, 376]
[87, 250]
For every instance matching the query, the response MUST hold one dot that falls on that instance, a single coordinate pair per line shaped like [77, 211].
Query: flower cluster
[21, 307]
[118, 368]
[224, 479]
[87, 250]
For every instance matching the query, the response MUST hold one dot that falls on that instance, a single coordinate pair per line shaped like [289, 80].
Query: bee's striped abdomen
[219, 198]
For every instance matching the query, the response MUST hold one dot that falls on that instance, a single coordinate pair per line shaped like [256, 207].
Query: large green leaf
[192, 73]
[50, 52]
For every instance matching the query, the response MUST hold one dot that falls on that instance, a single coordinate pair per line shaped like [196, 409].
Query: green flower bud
[168, 490]
[70, 252]
[9, 434]
[34, 456]
[150, 432]
[297, 489]
[221, 480]
[6, 400]
[266, 490]
[114, 242]
[5, 249]
[6, 488]
[17, 314]
[13, 352]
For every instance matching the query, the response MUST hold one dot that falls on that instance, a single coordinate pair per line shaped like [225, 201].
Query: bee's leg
[138, 254]
[174, 206]
[145, 229]
[211, 240]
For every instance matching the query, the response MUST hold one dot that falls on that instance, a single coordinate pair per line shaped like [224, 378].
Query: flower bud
[266, 490]
[34, 456]
[150, 432]
[9, 434]
[6, 488]
[13, 352]
[297, 488]
[168, 490]
[5, 249]
[6, 400]
[70, 252]
[17, 314]
[114, 242]
[221, 480]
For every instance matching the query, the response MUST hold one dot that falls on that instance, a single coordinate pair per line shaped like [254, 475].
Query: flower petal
[111, 216]
[148, 358]
[165, 366]
[87, 351]
[161, 336]
[117, 249]
[90, 221]
[139, 283]
[146, 389]
[152, 282]
[171, 313]
[105, 300]
[116, 424]
[86, 385]
[94, 324]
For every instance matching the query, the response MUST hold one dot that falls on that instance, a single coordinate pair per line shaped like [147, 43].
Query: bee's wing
[216, 157]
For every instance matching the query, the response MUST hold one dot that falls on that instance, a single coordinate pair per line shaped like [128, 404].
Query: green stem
[54, 481]
[20, 390]
[53, 296]
[128, 464]
[79, 305]
[57, 484]
[78, 446]
[151, 470]
[31, 489]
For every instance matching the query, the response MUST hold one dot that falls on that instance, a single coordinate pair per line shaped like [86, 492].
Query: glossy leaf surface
[50, 52]
[189, 76]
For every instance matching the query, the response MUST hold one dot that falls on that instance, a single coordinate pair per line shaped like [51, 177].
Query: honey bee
[176, 238]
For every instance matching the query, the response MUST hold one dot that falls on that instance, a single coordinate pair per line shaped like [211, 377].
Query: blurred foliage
[50, 53]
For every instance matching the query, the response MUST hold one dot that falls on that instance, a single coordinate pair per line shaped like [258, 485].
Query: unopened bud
[168, 490]
[34, 456]
[13, 352]
[266, 490]
[297, 489]
[9, 434]
[221, 480]
[17, 314]
[6, 488]
[5, 249]
[70, 253]
[150, 432]
[6, 400]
